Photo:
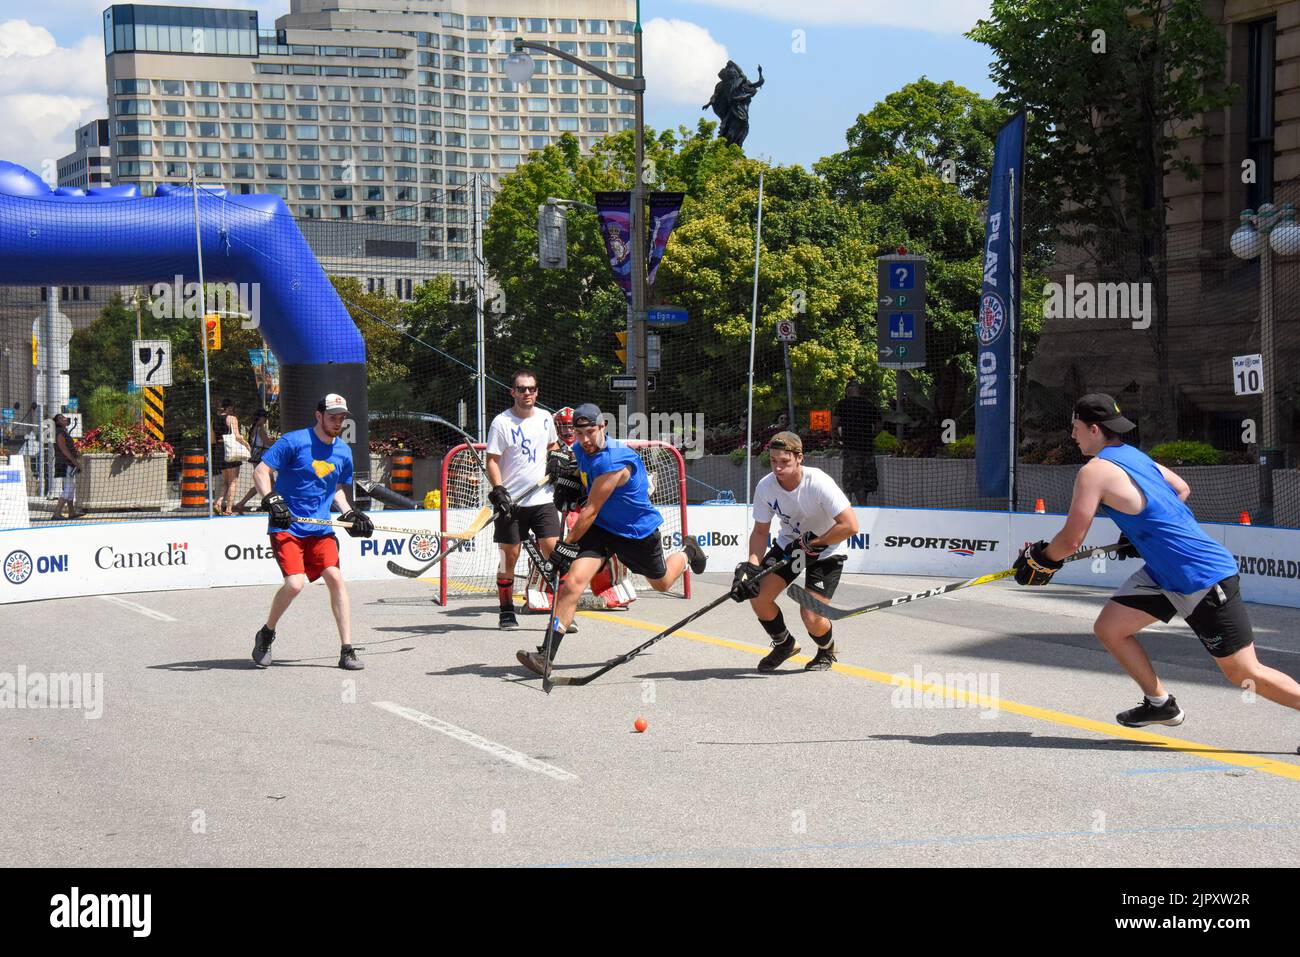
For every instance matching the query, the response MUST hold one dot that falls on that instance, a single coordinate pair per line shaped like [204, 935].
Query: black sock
[556, 637]
[823, 641]
[776, 628]
[345, 649]
[270, 632]
[506, 593]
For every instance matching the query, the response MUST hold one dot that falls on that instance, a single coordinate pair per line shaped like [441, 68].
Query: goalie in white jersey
[815, 517]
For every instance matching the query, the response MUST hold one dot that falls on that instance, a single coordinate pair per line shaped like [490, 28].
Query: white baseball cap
[332, 403]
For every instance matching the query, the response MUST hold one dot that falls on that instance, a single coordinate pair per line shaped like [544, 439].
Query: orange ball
[640, 725]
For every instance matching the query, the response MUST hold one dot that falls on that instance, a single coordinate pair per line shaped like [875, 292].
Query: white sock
[1157, 701]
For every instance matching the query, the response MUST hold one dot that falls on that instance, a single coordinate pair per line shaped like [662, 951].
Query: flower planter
[108, 481]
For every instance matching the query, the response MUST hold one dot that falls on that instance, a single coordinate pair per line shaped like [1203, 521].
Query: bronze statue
[731, 101]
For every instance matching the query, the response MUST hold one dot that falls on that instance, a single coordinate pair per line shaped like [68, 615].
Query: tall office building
[88, 166]
[356, 115]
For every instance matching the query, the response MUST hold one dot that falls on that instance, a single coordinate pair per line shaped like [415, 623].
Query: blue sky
[856, 52]
[811, 99]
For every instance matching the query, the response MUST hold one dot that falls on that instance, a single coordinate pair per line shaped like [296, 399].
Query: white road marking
[508, 754]
[140, 609]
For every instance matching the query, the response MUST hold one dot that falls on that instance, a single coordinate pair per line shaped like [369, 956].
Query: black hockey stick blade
[805, 599]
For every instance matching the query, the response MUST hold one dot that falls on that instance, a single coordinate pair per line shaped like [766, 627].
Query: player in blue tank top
[1186, 572]
[618, 520]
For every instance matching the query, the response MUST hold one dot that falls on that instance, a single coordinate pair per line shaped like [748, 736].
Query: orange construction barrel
[194, 479]
[403, 473]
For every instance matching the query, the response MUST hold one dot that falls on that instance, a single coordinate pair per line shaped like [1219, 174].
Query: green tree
[1112, 89]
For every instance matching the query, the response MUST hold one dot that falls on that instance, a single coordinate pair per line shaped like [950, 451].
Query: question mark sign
[902, 275]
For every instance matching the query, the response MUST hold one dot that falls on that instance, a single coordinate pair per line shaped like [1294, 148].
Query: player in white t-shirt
[519, 442]
[815, 517]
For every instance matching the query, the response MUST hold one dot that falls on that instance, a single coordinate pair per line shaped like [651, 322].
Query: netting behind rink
[471, 572]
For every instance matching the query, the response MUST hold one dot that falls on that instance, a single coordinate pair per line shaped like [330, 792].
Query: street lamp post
[519, 67]
[1266, 233]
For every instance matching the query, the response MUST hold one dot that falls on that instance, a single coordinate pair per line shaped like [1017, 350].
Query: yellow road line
[1281, 769]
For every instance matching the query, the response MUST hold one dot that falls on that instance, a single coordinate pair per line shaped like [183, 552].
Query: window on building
[1259, 109]
[370, 94]
[534, 25]
[272, 91]
[597, 26]
[239, 90]
[177, 127]
[240, 111]
[271, 131]
[205, 88]
[172, 87]
[207, 150]
[132, 86]
[567, 124]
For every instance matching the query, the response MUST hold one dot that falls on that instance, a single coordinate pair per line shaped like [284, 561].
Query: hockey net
[471, 572]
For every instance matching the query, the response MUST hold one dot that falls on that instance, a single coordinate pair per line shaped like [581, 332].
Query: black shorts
[644, 556]
[1219, 618]
[542, 520]
[821, 576]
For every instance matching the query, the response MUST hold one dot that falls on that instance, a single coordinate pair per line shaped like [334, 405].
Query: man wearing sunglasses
[617, 521]
[519, 443]
[1187, 573]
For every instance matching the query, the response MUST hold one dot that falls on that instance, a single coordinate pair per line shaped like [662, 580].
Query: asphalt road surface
[445, 752]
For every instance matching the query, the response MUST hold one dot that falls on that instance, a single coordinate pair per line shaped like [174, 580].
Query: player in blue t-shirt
[312, 469]
[1186, 572]
[618, 520]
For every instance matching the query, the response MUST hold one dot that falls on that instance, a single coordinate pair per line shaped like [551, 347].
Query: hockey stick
[805, 599]
[466, 535]
[796, 560]
[548, 572]
[378, 528]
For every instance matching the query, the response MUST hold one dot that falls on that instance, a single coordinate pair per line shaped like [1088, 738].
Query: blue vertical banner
[997, 326]
[615, 214]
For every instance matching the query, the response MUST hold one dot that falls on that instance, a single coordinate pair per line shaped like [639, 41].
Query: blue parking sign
[902, 325]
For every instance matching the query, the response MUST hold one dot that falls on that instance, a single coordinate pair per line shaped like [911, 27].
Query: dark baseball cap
[1097, 408]
[587, 414]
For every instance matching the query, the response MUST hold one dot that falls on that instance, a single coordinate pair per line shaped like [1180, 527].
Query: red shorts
[309, 555]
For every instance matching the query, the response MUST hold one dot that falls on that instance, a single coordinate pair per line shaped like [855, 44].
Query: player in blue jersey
[1186, 573]
[312, 468]
[618, 520]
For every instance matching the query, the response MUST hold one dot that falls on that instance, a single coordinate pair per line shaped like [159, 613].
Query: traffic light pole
[203, 334]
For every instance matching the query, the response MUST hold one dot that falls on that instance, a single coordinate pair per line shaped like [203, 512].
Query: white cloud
[936, 16]
[681, 62]
[46, 92]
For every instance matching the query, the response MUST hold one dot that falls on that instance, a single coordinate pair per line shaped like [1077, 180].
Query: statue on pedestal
[731, 101]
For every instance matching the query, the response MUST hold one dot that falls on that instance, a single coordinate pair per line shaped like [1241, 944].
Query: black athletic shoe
[1146, 713]
[779, 653]
[507, 621]
[534, 662]
[262, 647]
[695, 556]
[573, 628]
[348, 659]
[824, 659]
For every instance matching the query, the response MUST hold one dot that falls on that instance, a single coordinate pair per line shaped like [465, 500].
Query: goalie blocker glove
[561, 464]
[362, 526]
[278, 509]
[1033, 567]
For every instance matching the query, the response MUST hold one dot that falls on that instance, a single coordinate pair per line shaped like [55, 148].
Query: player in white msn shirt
[816, 517]
[519, 441]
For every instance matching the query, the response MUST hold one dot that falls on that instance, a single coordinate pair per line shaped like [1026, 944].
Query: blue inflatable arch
[113, 236]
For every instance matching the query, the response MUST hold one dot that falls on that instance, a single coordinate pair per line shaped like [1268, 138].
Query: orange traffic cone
[1244, 519]
[1039, 507]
